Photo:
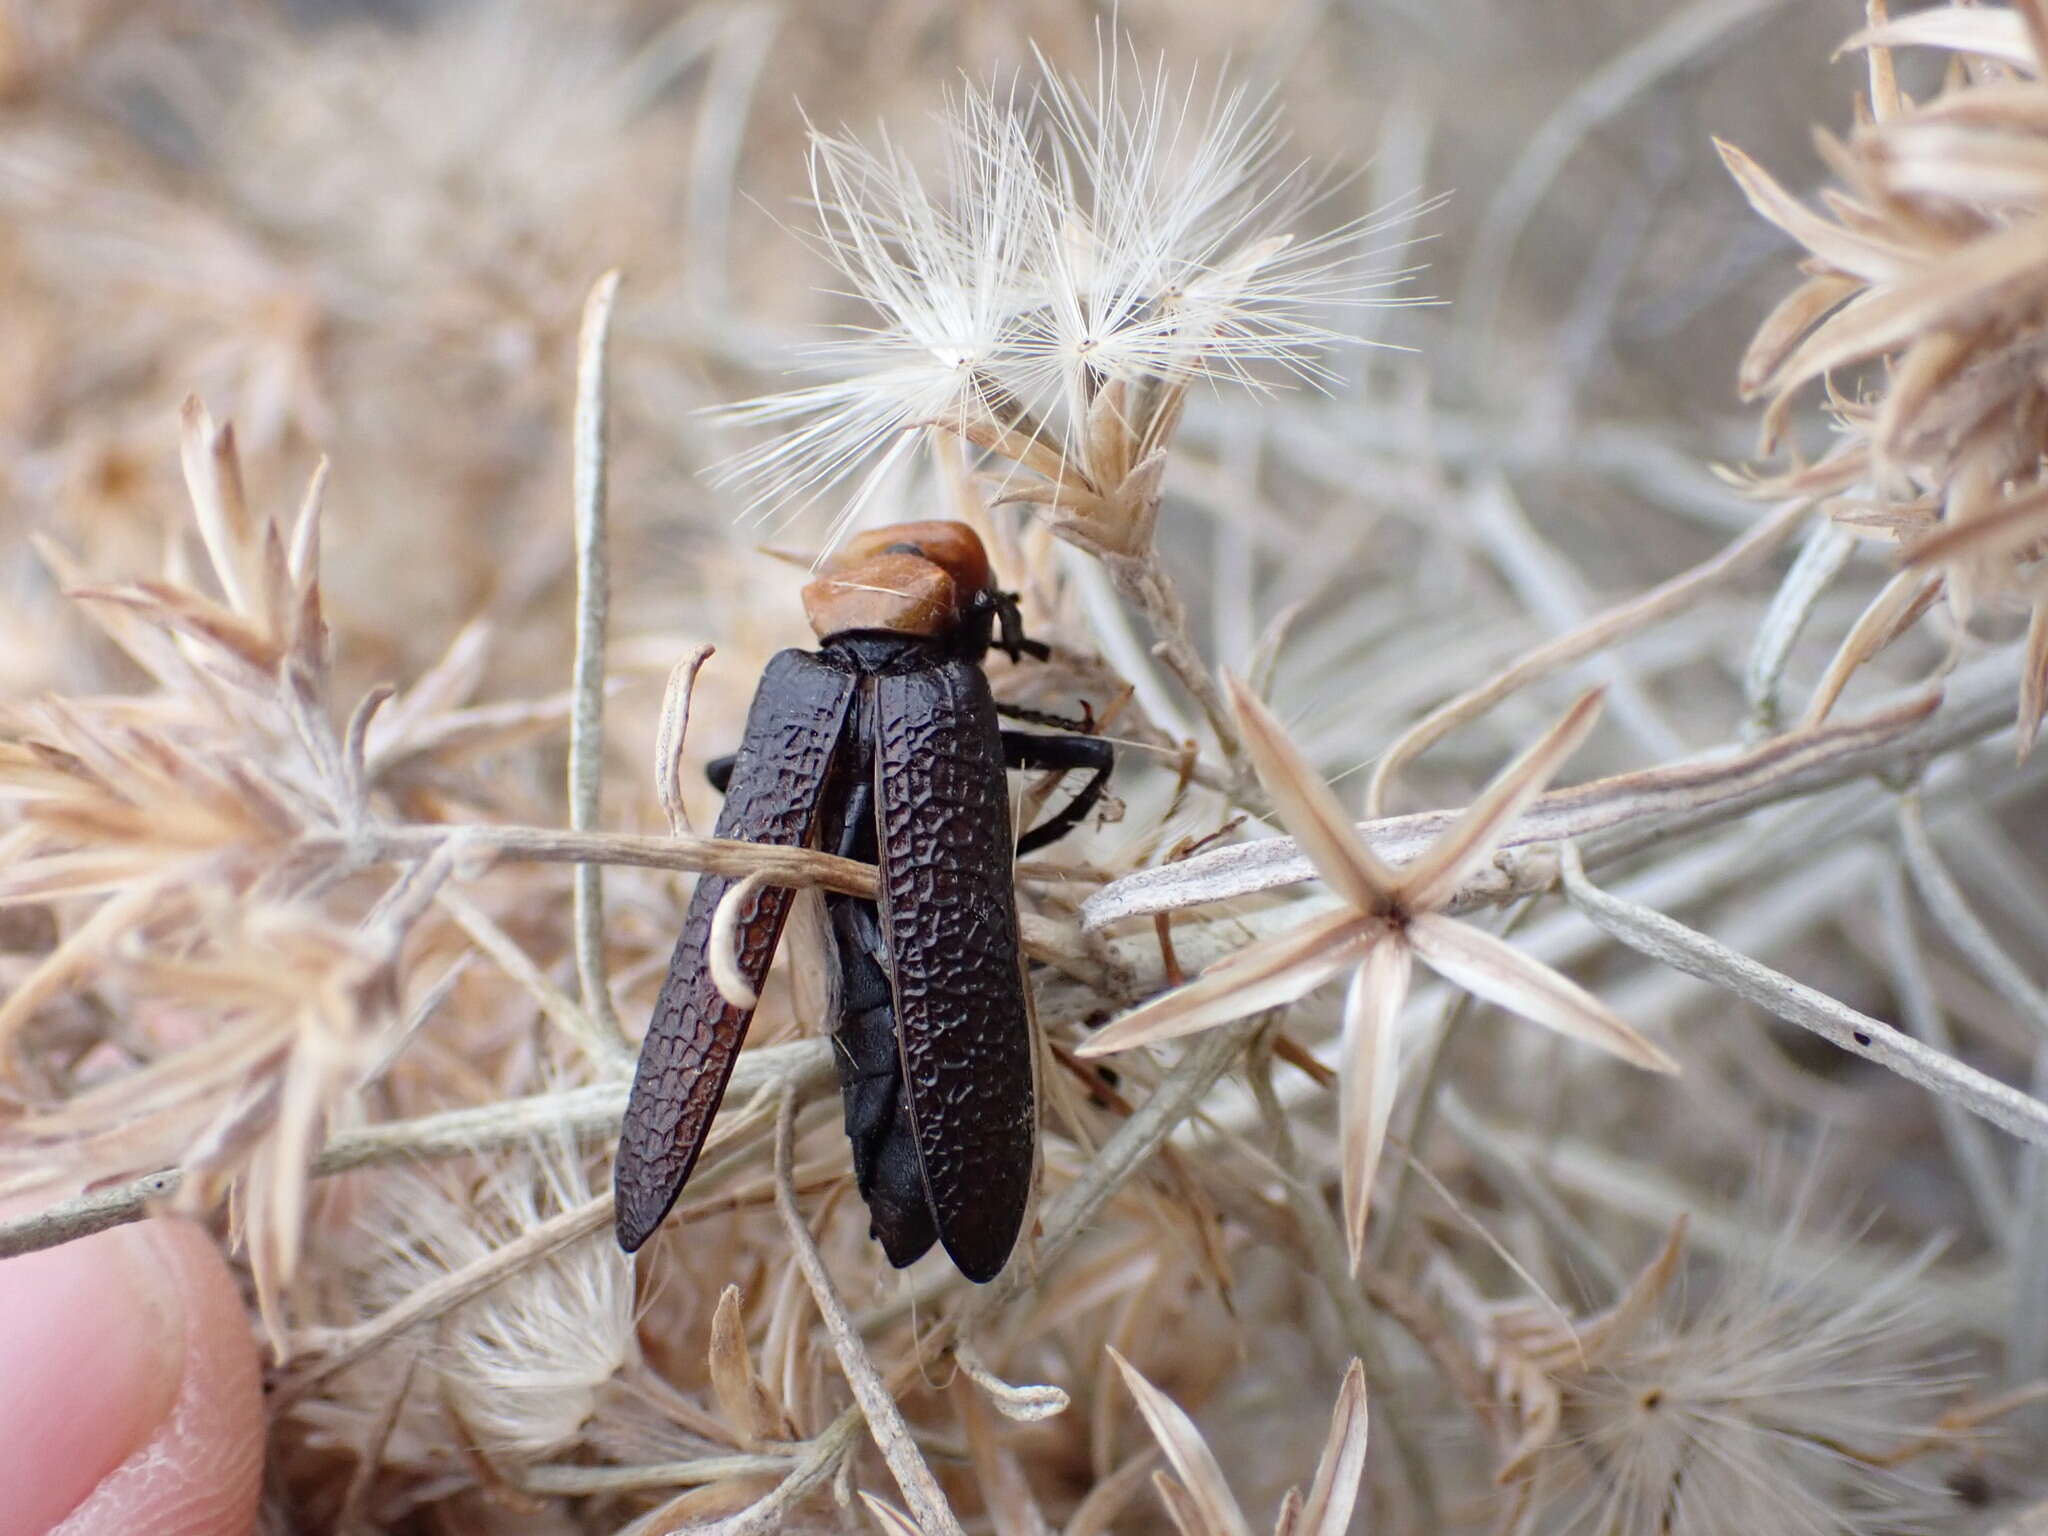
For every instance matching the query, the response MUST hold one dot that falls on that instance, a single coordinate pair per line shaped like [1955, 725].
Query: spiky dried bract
[1200, 1501]
[1925, 280]
[1326, 1511]
[1201, 1479]
[167, 822]
[1771, 1405]
[176, 829]
[1389, 918]
[1085, 256]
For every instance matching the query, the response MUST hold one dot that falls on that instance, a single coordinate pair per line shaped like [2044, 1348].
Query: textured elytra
[793, 731]
[950, 919]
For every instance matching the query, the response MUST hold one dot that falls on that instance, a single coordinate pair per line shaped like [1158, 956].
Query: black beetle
[884, 745]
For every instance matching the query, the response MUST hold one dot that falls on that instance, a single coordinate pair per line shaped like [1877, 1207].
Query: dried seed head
[1086, 255]
[1775, 1405]
[1926, 265]
[525, 1364]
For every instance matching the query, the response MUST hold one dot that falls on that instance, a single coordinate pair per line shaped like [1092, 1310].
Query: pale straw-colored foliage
[295, 950]
[1921, 311]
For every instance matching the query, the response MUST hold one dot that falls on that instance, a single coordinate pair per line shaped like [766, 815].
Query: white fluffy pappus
[524, 1364]
[1137, 231]
[1772, 1407]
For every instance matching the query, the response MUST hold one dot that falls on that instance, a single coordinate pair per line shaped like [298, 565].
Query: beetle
[884, 745]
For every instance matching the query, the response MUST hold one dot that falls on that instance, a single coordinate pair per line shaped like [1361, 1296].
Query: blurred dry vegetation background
[1788, 1290]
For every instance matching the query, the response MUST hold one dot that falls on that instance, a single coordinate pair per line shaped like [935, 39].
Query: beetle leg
[1024, 749]
[1082, 724]
[719, 771]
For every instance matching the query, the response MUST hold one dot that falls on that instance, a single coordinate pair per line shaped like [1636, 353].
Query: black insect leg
[719, 771]
[1024, 749]
[1084, 722]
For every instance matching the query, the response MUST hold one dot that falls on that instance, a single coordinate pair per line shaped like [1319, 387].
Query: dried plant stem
[1609, 628]
[827, 1454]
[1600, 1277]
[1422, 1323]
[92, 1212]
[877, 1404]
[2000, 865]
[1347, 1295]
[2028, 1235]
[1696, 793]
[593, 599]
[1820, 560]
[1071, 1212]
[1975, 1158]
[581, 1482]
[770, 1516]
[561, 1009]
[796, 867]
[1555, 595]
[1126, 656]
[1964, 928]
[444, 1295]
[1143, 583]
[589, 1113]
[1672, 943]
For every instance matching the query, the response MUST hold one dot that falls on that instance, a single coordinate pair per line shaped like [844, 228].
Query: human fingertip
[134, 1399]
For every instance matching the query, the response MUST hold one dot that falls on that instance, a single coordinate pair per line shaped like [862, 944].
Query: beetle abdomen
[885, 1163]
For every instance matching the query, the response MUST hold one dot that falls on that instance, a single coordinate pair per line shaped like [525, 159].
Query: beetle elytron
[882, 746]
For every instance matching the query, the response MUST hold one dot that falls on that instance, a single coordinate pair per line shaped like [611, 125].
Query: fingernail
[92, 1348]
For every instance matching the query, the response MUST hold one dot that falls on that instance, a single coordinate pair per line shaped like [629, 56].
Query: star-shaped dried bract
[1390, 919]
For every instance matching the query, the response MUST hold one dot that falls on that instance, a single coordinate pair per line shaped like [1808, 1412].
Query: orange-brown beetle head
[908, 578]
